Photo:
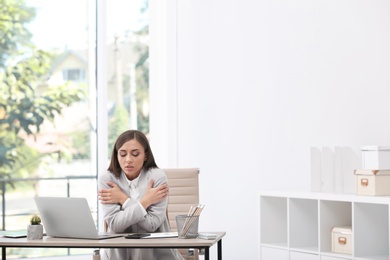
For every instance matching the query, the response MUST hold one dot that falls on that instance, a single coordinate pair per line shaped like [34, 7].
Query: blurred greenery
[14, 16]
[23, 109]
[142, 76]
[27, 103]
[119, 123]
[81, 145]
[119, 118]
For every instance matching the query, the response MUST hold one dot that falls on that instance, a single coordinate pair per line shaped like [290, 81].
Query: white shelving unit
[298, 225]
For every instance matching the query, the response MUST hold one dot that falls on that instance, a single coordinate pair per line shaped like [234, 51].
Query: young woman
[134, 193]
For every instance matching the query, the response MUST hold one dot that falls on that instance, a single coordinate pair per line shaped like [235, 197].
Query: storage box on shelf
[373, 182]
[375, 157]
[296, 224]
[374, 177]
[342, 240]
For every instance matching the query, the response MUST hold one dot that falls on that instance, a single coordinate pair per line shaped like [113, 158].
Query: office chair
[183, 193]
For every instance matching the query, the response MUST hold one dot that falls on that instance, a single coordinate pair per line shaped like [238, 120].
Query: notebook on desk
[162, 235]
[68, 218]
[14, 234]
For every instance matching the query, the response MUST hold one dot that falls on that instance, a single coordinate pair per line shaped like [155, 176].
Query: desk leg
[3, 253]
[207, 253]
[220, 249]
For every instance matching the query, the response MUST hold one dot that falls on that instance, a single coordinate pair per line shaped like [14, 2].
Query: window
[127, 66]
[73, 74]
[50, 130]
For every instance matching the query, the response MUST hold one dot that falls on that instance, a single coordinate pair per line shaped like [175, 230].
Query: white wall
[258, 83]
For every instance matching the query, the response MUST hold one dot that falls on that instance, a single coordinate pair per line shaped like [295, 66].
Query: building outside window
[48, 99]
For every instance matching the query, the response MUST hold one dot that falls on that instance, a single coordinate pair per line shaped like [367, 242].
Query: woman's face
[131, 157]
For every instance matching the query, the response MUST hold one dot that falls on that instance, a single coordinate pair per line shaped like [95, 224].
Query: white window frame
[101, 96]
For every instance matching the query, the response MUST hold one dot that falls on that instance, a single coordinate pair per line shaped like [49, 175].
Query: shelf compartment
[273, 220]
[333, 214]
[371, 230]
[303, 224]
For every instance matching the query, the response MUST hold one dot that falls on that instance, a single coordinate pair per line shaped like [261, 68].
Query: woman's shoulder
[156, 172]
[107, 175]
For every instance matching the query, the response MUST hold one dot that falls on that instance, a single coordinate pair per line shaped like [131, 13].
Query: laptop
[69, 218]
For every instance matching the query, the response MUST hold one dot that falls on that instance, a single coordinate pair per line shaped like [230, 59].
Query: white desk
[119, 242]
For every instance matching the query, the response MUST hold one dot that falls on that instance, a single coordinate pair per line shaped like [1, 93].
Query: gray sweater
[131, 218]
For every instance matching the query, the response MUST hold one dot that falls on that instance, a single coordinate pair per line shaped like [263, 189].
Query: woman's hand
[154, 195]
[113, 195]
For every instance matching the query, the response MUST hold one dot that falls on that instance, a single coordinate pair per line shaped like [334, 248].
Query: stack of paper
[207, 235]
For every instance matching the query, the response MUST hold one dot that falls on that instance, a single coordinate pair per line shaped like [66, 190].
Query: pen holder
[187, 226]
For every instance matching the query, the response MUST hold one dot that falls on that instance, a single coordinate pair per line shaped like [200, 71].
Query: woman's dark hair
[128, 135]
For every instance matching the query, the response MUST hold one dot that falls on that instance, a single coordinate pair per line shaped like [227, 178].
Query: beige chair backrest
[183, 192]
